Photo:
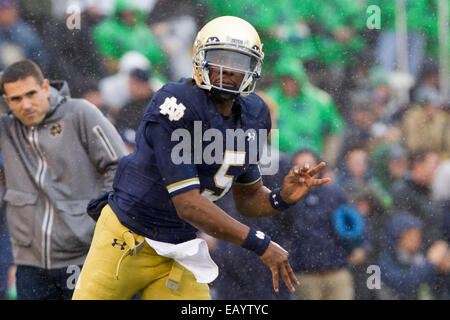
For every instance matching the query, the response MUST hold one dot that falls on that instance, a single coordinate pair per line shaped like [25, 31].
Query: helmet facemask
[232, 57]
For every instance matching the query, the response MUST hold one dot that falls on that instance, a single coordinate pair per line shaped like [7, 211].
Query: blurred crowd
[336, 93]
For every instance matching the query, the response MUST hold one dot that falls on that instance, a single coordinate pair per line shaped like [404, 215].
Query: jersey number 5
[221, 179]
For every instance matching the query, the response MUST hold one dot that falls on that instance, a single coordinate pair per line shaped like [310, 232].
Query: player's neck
[225, 107]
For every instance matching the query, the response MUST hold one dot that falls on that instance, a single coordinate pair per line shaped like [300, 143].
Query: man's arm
[253, 201]
[102, 142]
[209, 218]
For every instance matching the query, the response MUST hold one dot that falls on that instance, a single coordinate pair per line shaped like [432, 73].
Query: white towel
[193, 255]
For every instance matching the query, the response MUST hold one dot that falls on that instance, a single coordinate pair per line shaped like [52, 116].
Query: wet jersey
[184, 143]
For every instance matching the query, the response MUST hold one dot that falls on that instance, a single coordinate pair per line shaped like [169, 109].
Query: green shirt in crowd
[306, 120]
[114, 38]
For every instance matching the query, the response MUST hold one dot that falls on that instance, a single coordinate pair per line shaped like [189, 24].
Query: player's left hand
[276, 258]
[298, 182]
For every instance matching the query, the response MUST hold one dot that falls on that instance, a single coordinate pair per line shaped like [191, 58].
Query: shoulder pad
[255, 109]
[254, 105]
[175, 102]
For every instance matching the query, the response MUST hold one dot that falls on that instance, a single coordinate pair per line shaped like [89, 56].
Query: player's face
[233, 66]
[226, 78]
[28, 100]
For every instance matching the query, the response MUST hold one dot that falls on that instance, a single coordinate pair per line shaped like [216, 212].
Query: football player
[146, 235]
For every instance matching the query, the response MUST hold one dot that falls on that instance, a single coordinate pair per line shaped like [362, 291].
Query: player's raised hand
[276, 258]
[299, 180]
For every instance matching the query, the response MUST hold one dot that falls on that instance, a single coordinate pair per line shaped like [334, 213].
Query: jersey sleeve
[168, 122]
[250, 176]
[262, 120]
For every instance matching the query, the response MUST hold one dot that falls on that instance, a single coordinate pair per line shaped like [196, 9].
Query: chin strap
[223, 95]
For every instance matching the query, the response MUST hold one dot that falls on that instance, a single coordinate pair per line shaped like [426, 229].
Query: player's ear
[5, 98]
[46, 87]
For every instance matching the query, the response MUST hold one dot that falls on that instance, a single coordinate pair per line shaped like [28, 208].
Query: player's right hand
[276, 258]
[299, 181]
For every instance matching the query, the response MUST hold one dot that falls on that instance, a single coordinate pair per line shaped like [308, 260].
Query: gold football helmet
[228, 43]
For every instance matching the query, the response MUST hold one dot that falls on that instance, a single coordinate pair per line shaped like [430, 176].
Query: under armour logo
[122, 245]
[251, 136]
[275, 202]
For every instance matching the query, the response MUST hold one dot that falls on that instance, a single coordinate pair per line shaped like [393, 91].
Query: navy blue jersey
[184, 143]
